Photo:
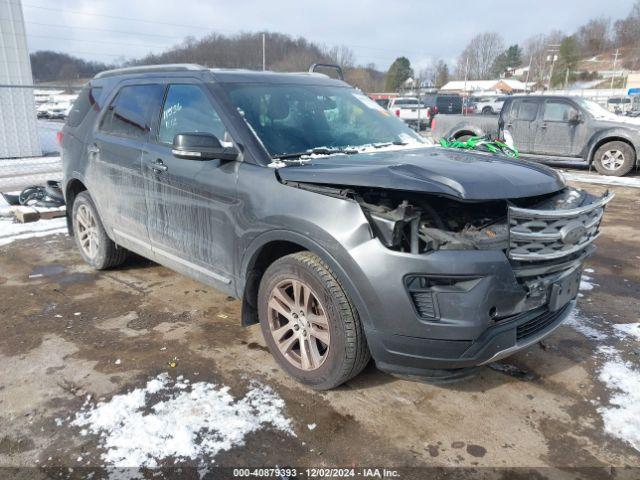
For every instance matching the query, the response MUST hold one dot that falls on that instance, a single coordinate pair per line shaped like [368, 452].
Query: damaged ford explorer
[345, 234]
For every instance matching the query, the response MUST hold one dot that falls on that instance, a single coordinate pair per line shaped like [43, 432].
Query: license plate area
[564, 290]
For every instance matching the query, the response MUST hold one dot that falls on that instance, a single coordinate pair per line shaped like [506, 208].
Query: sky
[376, 31]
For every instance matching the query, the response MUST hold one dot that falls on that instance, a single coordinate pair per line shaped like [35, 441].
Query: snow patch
[633, 182]
[10, 231]
[583, 325]
[631, 329]
[175, 419]
[586, 284]
[622, 416]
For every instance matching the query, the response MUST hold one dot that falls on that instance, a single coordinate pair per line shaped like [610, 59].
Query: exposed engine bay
[417, 222]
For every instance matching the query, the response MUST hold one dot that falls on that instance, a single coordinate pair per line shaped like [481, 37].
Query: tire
[341, 350]
[98, 250]
[614, 158]
[487, 111]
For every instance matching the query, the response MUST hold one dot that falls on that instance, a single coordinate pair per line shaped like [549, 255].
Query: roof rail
[174, 67]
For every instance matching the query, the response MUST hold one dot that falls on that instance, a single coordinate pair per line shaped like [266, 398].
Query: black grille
[424, 304]
[537, 324]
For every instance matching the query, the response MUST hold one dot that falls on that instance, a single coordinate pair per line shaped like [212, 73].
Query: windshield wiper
[317, 151]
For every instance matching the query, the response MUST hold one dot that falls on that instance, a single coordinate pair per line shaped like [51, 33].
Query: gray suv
[345, 234]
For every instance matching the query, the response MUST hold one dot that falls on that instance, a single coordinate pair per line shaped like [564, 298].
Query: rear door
[115, 155]
[556, 134]
[190, 202]
[520, 122]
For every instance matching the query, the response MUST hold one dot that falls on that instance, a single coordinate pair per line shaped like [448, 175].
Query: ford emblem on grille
[572, 232]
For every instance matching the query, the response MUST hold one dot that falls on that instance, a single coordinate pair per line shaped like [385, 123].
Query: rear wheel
[308, 322]
[614, 158]
[95, 246]
[487, 111]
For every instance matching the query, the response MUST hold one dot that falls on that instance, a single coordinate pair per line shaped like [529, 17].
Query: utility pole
[613, 74]
[264, 52]
[526, 81]
[552, 57]
[466, 75]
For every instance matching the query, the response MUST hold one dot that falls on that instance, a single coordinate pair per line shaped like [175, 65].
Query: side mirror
[202, 146]
[575, 118]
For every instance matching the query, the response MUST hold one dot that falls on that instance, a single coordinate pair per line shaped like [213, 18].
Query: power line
[209, 29]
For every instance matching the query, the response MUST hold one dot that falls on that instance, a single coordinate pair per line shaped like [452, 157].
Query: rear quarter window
[89, 98]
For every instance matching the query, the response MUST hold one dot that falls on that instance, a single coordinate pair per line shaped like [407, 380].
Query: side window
[89, 97]
[558, 111]
[525, 110]
[131, 111]
[188, 110]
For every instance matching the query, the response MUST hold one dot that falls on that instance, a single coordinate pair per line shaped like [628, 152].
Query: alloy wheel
[87, 231]
[612, 159]
[299, 324]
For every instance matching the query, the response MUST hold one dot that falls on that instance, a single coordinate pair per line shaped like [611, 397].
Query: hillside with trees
[581, 55]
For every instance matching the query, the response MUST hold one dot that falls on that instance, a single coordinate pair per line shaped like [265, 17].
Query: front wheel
[95, 246]
[614, 158]
[309, 324]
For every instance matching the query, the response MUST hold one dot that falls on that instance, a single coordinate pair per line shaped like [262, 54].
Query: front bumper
[420, 356]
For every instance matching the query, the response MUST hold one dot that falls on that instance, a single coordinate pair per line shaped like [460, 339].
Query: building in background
[18, 124]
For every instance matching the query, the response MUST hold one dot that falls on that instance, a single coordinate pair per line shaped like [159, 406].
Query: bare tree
[536, 50]
[628, 29]
[481, 52]
[341, 55]
[594, 37]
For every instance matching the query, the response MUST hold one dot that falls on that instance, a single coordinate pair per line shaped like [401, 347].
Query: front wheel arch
[295, 242]
[599, 143]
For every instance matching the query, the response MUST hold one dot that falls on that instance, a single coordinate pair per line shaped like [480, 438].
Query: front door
[190, 202]
[557, 134]
[115, 159]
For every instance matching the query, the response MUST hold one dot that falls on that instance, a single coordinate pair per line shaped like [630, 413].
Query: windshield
[595, 110]
[291, 119]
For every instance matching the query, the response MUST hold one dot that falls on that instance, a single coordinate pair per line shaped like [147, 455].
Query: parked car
[489, 105]
[344, 233]
[619, 105]
[558, 129]
[469, 108]
[411, 111]
[449, 103]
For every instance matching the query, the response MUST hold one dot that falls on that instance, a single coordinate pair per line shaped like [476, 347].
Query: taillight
[398, 113]
[433, 123]
[59, 136]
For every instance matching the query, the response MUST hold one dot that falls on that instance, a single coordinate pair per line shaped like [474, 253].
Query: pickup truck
[556, 129]
[411, 111]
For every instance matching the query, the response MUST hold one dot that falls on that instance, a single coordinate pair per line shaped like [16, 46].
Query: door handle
[509, 125]
[544, 125]
[158, 166]
[93, 149]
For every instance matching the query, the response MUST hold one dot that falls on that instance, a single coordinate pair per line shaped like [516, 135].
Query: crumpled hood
[454, 173]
